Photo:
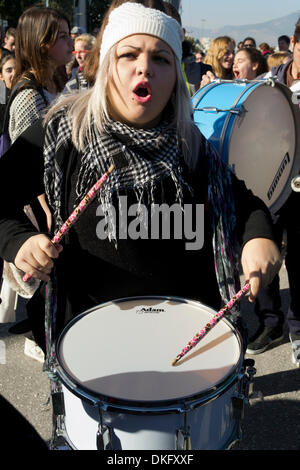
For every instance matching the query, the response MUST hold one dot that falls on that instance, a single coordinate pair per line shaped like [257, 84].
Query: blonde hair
[217, 49]
[87, 39]
[91, 106]
[278, 58]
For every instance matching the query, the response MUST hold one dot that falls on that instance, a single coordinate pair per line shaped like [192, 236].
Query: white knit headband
[134, 18]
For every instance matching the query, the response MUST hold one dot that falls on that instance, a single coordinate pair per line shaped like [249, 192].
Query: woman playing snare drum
[137, 116]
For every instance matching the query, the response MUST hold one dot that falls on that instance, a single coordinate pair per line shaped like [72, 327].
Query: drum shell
[254, 127]
[213, 424]
[141, 425]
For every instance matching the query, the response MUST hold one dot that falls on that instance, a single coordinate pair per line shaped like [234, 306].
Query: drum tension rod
[211, 109]
[104, 435]
[183, 435]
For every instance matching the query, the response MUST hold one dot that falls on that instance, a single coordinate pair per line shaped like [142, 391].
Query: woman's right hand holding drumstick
[36, 256]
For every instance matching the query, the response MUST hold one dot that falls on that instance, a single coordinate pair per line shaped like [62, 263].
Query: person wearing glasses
[82, 46]
[249, 42]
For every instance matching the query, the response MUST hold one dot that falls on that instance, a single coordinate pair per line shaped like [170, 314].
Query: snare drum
[254, 125]
[121, 391]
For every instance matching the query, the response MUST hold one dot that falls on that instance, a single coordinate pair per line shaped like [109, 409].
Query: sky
[216, 13]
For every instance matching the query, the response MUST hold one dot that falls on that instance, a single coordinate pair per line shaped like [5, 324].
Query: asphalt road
[271, 423]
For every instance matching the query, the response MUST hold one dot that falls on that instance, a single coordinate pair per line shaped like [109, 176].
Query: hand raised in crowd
[207, 78]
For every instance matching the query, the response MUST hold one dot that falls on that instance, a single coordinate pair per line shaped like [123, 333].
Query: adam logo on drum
[178, 222]
[150, 310]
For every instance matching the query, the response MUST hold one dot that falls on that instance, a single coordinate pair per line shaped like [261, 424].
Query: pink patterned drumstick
[217, 317]
[77, 212]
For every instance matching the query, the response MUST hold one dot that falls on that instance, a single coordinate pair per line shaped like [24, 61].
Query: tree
[95, 12]
[192, 41]
[12, 10]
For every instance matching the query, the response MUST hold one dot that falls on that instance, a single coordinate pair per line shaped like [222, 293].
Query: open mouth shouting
[142, 93]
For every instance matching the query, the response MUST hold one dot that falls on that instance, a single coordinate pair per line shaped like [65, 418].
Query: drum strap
[58, 411]
[50, 323]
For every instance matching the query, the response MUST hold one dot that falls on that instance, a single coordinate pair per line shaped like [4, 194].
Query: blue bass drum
[254, 126]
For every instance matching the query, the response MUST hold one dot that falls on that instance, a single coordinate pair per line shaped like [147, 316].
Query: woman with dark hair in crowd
[43, 48]
[249, 63]
[7, 70]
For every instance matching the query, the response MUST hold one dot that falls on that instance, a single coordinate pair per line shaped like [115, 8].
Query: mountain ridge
[267, 31]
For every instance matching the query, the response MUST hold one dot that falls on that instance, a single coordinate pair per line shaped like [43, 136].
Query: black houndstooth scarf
[150, 155]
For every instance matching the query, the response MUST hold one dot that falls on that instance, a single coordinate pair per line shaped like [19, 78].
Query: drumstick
[216, 318]
[77, 212]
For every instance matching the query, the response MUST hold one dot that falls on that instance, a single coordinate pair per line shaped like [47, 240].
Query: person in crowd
[249, 42]
[9, 41]
[249, 63]
[138, 117]
[76, 31]
[284, 43]
[7, 70]
[265, 49]
[268, 303]
[194, 71]
[278, 58]
[199, 56]
[43, 47]
[220, 57]
[73, 64]
[82, 47]
[40, 61]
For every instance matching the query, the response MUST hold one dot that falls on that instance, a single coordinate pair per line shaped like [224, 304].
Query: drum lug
[104, 437]
[295, 184]
[183, 439]
[271, 81]
[251, 371]
[240, 111]
[237, 402]
[245, 389]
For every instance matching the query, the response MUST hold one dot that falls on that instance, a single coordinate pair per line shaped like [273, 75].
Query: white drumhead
[124, 349]
[262, 147]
